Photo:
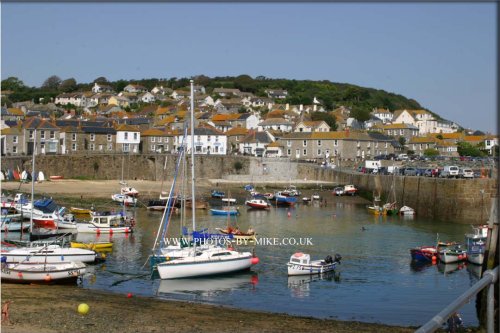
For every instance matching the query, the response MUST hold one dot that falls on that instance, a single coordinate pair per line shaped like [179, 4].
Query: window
[288, 143]
[335, 142]
[216, 138]
[73, 136]
[92, 146]
[216, 149]
[109, 137]
[135, 136]
[386, 144]
[305, 152]
[52, 134]
[401, 132]
[31, 134]
[153, 139]
[165, 139]
[42, 135]
[288, 152]
[304, 143]
[237, 138]
[73, 146]
[376, 144]
[92, 137]
[152, 147]
[368, 145]
[209, 138]
[198, 149]
[319, 143]
[14, 139]
[301, 129]
[14, 149]
[101, 147]
[110, 146]
[319, 152]
[125, 135]
[125, 147]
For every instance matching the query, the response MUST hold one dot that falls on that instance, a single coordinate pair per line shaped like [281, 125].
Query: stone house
[12, 141]
[234, 136]
[72, 140]
[99, 139]
[255, 143]
[47, 135]
[277, 124]
[157, 140]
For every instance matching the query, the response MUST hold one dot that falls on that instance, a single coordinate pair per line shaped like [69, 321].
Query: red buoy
[255, 261]
[129, 295]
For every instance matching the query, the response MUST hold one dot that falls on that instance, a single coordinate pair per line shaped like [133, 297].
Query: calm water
[375, 282]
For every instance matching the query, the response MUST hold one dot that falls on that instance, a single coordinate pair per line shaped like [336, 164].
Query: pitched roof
[225, 117]
[153, 132]
[237, 131]
[257, 137]
[15, 112]
[400, 126]
[98, 130]
[127, 128]
[274, 121]
[37, 123]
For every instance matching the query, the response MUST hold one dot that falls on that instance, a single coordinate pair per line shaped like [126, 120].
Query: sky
[444, 55]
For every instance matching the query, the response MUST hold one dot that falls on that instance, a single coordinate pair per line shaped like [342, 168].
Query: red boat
[56, 177]
[258, 204]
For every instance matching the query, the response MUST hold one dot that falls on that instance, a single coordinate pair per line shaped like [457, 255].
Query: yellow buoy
[83, 309]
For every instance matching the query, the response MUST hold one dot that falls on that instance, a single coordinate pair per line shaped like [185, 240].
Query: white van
[449, 171]
[403, 157]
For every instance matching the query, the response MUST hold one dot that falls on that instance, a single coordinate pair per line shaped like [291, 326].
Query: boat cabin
[300, 258]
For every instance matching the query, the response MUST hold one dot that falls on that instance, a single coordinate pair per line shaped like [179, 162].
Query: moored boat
[80, 211]
[238, 234]
[106, 224]
[230, 201]
[217, 194]
[452, 254]
[124, 199]
[476, 244]
[301, 264]
[95, 246]
[258, 203]
[42, 272]
[225, 211]
[407, 211]
[49, 254]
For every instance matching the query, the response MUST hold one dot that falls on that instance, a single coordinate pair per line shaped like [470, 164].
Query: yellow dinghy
[96, 246]
[80, 211]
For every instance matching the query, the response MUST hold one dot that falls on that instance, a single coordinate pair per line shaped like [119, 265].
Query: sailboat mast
[192, 156]
[33, 185]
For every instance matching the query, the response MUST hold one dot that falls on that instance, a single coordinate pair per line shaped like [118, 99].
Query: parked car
[428, 172]
[449, 171]
[338, 191]
[410, 171]
[466, 173]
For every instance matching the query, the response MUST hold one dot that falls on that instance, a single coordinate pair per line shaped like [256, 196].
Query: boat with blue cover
[217, 194]
[225, 211]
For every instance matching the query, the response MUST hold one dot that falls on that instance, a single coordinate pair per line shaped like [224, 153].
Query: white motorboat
[211, 261]
[229, 200]
[42, 272]
[124, 199]
[130, 191]
[301, 264]
[8, 225]
[106, 224]
[49, 254]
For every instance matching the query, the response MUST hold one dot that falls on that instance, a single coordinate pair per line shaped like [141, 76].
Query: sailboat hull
[177, 269]
[64, 272]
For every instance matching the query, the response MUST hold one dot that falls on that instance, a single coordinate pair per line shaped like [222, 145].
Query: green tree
[68, 85]
[402, 140]
[101, 79]
[467, 149]
[12, 83]
[360, 113]
[238, 166]
[430, 152]
[439, 136]
[52, 83]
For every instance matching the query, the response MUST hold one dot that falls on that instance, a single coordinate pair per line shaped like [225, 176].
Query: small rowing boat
[95, 246]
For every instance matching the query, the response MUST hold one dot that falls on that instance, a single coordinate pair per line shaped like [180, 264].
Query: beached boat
[106, 224]
[284, 200]
[80, 211]
[130, 191]
[225, 211]
[350, 190]
[315, 196]
[42, 272]
[230, 201]
[258, 203]
[217, 194]
[476, 244]
[124, 199]
[306, 199]
[56, 177]
[301, 264]
[49, 253]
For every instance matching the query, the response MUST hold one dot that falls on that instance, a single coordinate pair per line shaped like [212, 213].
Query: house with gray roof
[255, 143]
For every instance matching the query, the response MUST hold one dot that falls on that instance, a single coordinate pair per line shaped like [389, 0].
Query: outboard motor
[338, 257]
[328, 259]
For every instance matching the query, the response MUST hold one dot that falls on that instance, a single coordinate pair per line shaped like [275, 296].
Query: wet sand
[48, 309]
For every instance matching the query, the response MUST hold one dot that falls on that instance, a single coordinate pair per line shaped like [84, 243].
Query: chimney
[347, 132]
[287, 106]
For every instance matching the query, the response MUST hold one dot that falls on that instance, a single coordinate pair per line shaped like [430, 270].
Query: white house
[135, 88]
[312, 126]
[99, 88]
[383, 114]
[207, 141]
[127, 139]
[147, 97]
[403, 117]
[255, 143]
[490, 142]
[277, 124]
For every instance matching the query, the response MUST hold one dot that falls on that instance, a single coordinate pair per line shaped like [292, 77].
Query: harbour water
[376, 281]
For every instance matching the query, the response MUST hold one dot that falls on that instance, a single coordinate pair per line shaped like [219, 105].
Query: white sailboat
[210, 261]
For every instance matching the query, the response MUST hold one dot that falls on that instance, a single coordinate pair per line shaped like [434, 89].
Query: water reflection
[450, 268]
[300, 285]
[475, 270]
[208, 287]
[419, 266]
